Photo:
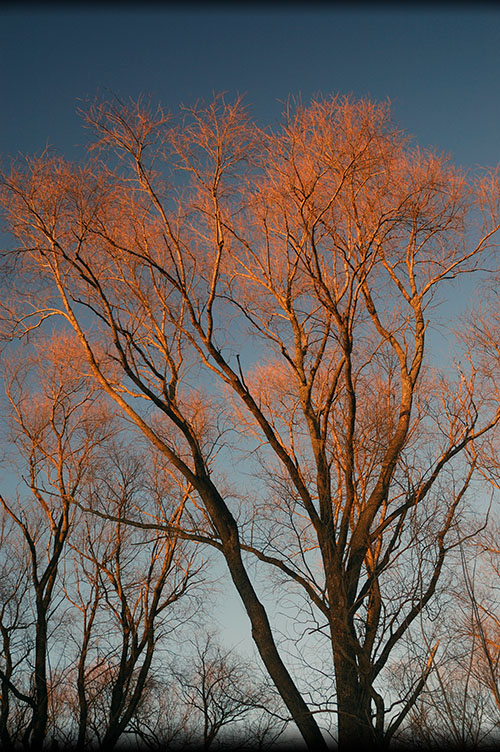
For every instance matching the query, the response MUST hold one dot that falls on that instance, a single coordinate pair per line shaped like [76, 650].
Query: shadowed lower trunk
[261, 628]
[263, 638]
[40, 712]
[355, 729]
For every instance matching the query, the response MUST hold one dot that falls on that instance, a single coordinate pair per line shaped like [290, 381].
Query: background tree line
[226, 348]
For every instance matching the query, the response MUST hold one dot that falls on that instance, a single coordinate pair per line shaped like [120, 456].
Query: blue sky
[439, 65]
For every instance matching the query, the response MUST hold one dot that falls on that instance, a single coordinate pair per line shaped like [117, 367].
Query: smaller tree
[15, 627]
[221, 690]
[57, 422]
[163, 720]
[131, 579]
[70, 559]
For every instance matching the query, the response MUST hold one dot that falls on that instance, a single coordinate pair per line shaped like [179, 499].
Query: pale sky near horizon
[438, 65]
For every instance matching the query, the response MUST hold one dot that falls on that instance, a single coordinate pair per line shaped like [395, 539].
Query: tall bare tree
[266, 294]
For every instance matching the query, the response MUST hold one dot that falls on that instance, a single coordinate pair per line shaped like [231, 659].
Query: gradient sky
[439, 65]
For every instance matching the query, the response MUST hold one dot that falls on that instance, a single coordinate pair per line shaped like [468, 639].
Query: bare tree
[163, 720]
[55, 431]
[458, 708]
[15, 626]
[462, 700]
[130, 580]
[280, 289]
[83, 574]
[223, 690]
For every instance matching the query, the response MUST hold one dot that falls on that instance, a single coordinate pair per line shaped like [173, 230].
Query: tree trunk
[263, 638]
[261, 629]
[355, 729]
[40, 714]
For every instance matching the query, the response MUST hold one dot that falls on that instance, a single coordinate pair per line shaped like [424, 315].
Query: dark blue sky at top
[439, 66]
